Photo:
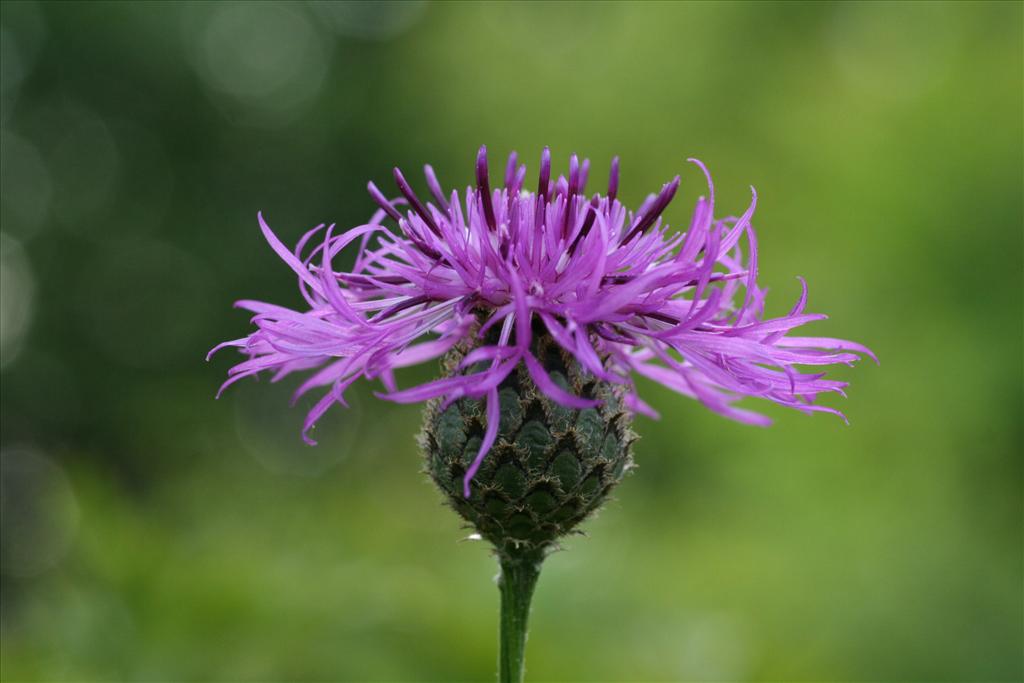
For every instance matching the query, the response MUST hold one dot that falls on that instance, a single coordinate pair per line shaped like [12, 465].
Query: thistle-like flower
[546, 306]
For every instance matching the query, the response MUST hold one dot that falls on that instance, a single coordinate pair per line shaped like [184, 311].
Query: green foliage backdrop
[151, 533]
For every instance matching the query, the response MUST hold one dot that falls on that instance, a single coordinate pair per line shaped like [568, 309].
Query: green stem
[519, 572]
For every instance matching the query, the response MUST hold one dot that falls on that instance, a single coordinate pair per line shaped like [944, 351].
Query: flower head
[617, 289]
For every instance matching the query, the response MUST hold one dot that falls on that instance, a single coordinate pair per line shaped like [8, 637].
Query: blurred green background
[152, 533]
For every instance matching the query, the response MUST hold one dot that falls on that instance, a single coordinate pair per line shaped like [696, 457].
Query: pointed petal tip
[263, 222]
[703, 168]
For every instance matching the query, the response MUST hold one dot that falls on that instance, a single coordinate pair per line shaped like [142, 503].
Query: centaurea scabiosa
[545, 306]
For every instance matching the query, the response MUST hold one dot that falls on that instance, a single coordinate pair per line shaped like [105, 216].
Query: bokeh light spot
[270, 431]
[26, 190]
[12, 65]
[85, 165]
[262, 63]
[142, 302]
[382, 20]
[22, 33]
[713, 648]
[894, 51]
[17, 295]
[39, 512]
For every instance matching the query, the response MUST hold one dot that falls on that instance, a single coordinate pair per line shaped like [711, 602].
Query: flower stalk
[520, 570]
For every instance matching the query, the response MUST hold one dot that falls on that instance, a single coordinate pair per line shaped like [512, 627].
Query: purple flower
[616, 288]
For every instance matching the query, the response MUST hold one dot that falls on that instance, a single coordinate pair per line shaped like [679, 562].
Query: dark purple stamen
[484, 187]
[401, 306]
[611, 334]
[715, 277]
[382, 201]
[660, 203]
[370, 281]
[662, 317]
[414, 202]
[545, 174]
[588, 223]
[646, 204]
[613, 181]
[570, 201]
[542, 198]
[435, 187]
[428, 250]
